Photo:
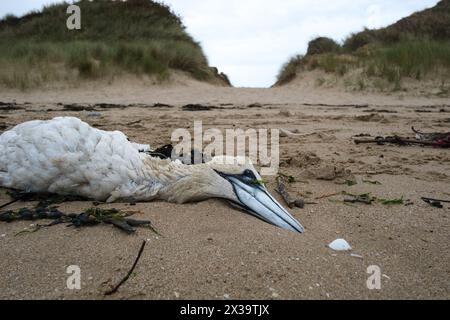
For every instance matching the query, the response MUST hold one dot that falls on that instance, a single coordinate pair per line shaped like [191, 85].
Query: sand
[209, 250]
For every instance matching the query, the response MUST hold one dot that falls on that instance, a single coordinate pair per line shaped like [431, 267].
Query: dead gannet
[67, 156]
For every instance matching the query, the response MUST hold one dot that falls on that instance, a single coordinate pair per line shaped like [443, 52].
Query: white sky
[249, 40]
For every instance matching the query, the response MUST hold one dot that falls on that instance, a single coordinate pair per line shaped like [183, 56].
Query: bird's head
[235, 180]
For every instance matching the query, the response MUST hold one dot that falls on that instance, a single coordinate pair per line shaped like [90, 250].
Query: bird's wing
[66, 155]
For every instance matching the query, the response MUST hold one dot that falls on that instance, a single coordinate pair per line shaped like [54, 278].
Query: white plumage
[67, 156]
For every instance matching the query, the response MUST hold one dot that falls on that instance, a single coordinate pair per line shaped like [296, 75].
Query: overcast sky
[250, 39]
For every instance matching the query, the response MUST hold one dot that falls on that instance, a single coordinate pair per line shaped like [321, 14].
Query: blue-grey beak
[255, 199]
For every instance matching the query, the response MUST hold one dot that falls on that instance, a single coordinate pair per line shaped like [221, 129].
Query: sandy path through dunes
[209, 250]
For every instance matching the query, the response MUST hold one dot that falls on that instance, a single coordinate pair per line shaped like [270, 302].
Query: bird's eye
[249, 173]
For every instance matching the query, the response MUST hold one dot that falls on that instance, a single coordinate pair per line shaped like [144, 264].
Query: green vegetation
[322, 45]
[289, 70]
[390, 202]
[417, 47]
[413, 58]
[137, 37]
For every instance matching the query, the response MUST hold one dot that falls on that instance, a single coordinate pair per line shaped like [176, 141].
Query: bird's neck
[175, 182]
[172, 181]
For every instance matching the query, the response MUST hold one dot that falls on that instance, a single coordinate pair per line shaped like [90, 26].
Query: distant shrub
[389, 35]
[322, 45]
[10, 19]
[358, 40]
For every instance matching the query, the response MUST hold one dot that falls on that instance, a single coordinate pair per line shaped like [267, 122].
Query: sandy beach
[210, 250]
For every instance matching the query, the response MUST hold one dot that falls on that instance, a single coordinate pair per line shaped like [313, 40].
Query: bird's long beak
[254, 198]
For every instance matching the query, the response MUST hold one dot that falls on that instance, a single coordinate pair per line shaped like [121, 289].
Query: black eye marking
[249, 177]
[249, 173]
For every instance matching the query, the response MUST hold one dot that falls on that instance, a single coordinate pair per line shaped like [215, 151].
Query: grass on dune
[409, 58]
[25, 65]
[139, 37]
[101, 20]
[414, 59]
[416, 47]
[289, 70]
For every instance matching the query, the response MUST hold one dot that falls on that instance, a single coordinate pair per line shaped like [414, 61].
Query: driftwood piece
[291, 202]
[281, 189]
[397, 140]
[437, 203]
[114, 290]
[358, 106]
[431, 199]
[402, 141]
[8, 203]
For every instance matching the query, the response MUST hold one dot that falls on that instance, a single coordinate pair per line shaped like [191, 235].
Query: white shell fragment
[340, 245]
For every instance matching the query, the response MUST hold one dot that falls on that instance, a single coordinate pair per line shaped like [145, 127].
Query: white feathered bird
[67, 156]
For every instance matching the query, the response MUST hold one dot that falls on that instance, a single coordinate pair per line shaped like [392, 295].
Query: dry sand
[209, 250]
